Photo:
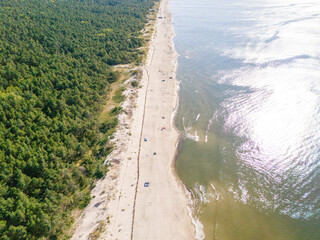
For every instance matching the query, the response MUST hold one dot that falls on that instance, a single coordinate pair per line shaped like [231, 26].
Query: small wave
[201, 193]
[200, 235]
[197, 117]
[216, 194]
[196, 136]
[187, 129]
[192, 137]
[215, 115]
[199, 229]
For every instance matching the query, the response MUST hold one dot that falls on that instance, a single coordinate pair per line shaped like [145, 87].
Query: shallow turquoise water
[250, 115]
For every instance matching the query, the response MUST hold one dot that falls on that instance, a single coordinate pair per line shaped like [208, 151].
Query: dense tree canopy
[55, 58]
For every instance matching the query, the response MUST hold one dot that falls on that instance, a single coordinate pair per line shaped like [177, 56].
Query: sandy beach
[145, 146]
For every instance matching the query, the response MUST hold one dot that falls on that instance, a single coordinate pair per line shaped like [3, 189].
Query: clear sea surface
[249, 113]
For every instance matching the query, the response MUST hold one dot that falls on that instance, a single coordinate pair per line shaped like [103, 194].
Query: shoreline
[122, 208]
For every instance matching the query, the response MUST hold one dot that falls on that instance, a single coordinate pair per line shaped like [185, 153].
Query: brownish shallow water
[249, 111]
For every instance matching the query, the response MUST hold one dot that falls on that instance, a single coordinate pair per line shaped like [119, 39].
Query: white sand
[160, 210]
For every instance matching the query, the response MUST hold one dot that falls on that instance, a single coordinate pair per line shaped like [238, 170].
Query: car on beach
[146, 184]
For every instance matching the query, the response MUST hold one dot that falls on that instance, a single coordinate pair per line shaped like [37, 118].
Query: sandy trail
[160, 211]
[127, 208]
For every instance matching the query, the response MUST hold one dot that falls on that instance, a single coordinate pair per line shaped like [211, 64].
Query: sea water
[249, 113]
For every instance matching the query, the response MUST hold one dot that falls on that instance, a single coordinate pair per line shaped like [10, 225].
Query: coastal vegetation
[56, 60]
